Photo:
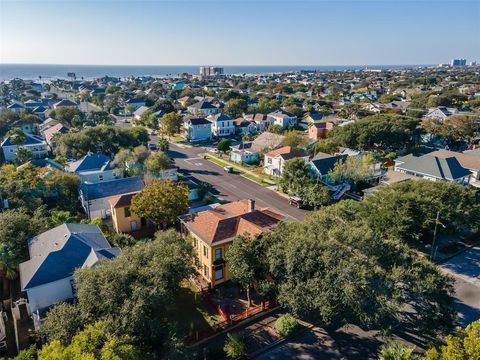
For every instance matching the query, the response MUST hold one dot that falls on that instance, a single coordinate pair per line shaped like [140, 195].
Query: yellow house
[212, 231]
[124, 221]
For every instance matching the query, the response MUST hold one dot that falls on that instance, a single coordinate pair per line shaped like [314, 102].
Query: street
[230, 187]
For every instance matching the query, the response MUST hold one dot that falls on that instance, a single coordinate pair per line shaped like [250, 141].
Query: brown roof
[230, 220]
[468, 161]
[287, 152]
[122, 200]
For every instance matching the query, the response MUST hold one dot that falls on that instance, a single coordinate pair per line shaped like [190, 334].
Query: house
[244, 126]
[16, 108]
[33, 143]
[95, 196]
[274, 160]
[137, 114]
[321, 164]
[197, 129]
[262, 122]
[93, 168]
[47, 277]
[124, 221]
[283, 118]
[203, 108]
[48, 123]
[222, 125]
[135, 103]
[31, 104]
[212, 232]
[468, 160]
[319, 130]
[40, 111]
[49, 133]
[65, 103]
[314, 117]
[250, 152]
[433, 168]
[440, 113]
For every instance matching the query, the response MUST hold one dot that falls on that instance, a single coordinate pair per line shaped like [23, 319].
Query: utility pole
[437, 222]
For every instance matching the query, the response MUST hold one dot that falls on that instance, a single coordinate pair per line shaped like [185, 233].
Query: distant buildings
[210, 71]
[458, 62]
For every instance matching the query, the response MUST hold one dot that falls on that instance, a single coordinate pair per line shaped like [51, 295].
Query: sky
[233, 32]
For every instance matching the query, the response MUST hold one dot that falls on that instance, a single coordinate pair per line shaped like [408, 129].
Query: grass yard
[192, 312]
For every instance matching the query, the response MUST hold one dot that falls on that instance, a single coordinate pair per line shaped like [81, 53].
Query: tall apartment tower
[458, 62]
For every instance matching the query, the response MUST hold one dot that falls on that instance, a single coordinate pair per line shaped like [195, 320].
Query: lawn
[193, 312]
[246, 172]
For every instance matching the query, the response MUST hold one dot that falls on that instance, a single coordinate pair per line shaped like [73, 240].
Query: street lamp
[437, 222]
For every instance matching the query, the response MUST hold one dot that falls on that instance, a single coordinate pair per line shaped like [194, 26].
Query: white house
[93, 168]
[54, 256]
[283, 118]
[440, 113]
[433, 168]
[33, 143]
[222, 125]
[137, 114]
[197, 129]
[204, 108]
[275, 160]
[65, 103]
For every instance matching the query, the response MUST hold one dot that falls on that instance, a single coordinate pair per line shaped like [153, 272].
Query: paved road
[230, 187]
[465, 268]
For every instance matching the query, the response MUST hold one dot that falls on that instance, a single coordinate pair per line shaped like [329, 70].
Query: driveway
[465, 268]
[230, 187]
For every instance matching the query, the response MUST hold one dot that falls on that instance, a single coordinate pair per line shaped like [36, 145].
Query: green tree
[27, 354]
[328, 146]
[295, 176]
[462, 344]
[131, 161]
[68, 115]
[157, 162]
[286, 325]
[163, 145]
[235, 346]
[294, 140]
[242, 261]
[235, 107]
[459, 128]
[22, 156]
[224, 145]
[353, 168]
[171, 123]
[93, 342]
[275, 129]
[161, 201]
[397, 351]
[62, 322]
[17, 137]
[58, 217]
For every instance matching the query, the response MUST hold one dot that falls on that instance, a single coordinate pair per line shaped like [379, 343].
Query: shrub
[235, 346]
[286, 325]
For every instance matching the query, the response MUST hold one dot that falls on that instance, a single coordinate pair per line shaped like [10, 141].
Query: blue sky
[228, 32]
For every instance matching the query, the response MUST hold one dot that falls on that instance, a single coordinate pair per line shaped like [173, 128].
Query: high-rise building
[458, 62]
[210, 71]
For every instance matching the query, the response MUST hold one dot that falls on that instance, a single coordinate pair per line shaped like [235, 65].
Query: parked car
[228, 169]
[152, 147]
[297, 202]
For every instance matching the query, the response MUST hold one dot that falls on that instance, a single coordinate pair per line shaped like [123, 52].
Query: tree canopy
[161, 201]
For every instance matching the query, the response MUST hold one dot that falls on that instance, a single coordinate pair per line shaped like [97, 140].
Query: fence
[228, 319]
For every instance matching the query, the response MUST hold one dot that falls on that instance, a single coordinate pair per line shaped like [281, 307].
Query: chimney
[251, 205]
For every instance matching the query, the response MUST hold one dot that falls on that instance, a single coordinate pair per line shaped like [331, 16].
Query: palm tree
[17, 137]
[8, 265]
[397, 351]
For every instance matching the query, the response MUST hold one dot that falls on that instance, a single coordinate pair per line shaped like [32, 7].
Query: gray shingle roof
[90, 162]
[111, 188]
[440, 168]
[29, 140]
[56, 253]
[323, 164]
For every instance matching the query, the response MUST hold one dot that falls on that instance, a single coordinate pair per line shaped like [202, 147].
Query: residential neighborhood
[207, 211]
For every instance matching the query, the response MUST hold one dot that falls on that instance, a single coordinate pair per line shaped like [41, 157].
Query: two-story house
[124, 221]
[213, 231]
[47, 277]
[250, 152]
[197, 129]
[203, 108]
[222, 125]
[33, 143]
[283, 118]
[93, 168]
[275, 160]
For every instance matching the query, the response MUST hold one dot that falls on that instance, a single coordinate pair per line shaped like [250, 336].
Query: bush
[286, 325]
[235, 346]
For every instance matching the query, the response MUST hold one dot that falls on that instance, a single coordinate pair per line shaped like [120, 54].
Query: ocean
[50, 72]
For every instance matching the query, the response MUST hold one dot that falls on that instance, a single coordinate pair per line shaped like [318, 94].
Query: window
[219, 274]
[218, 253]
[100, 177]
[205, 270]
[195, 243]
[205, 251]
[269, 160]
[127, 212]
